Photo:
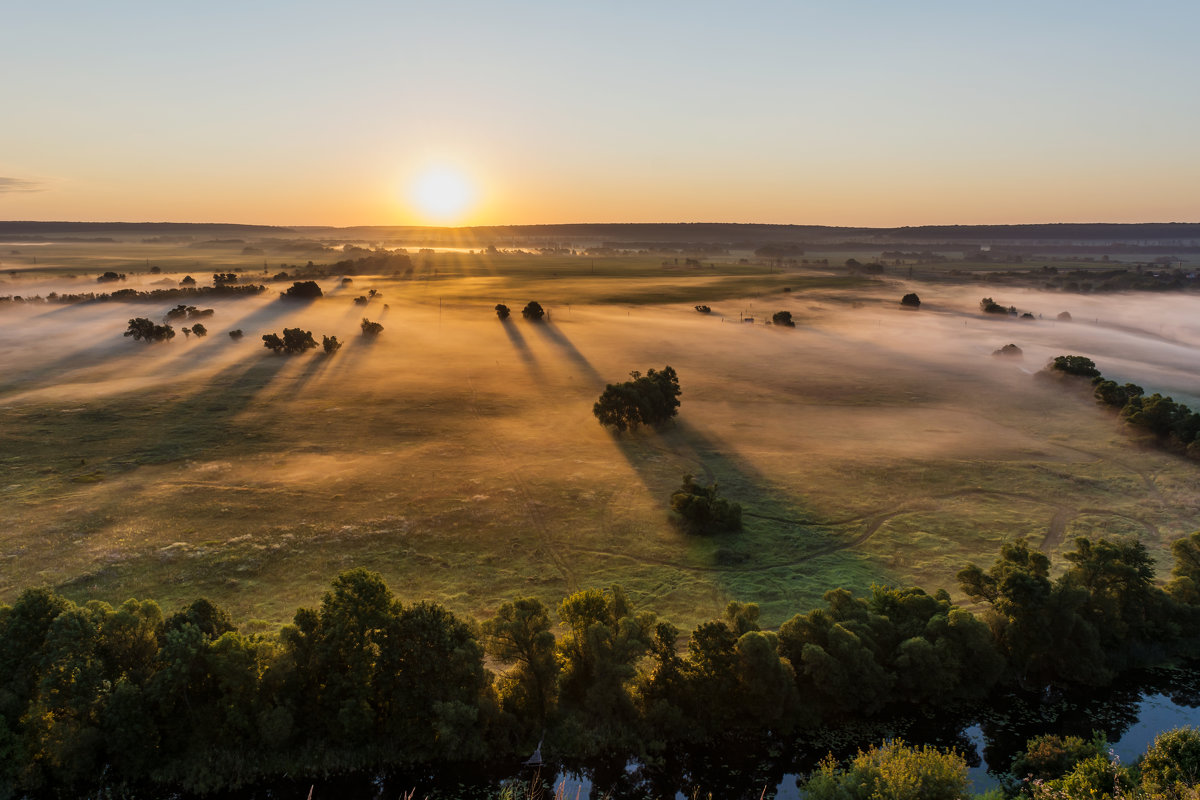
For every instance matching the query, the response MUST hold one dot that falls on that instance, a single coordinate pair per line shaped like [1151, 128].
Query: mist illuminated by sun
[442, 194]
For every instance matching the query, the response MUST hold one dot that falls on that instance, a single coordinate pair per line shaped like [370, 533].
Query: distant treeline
[136, 296]
[130, 699]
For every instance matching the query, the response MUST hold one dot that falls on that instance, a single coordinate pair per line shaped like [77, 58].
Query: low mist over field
[458, 455]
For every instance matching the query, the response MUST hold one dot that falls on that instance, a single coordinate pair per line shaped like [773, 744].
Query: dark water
[1129, 714]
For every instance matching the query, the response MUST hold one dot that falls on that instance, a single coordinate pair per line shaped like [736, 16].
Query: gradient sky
[835, 113]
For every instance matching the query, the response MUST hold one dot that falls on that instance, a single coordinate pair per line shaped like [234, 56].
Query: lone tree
[144, 330]
[649, 399]
[199, 330]
[533, 311]
[1009, 351]
[502, 311]
[236, 334]
[331, 344]
[370, 329]
[783, 318]
[910, 300]
[294, 340]
[303, 290]
[188, 280]
[703, 509]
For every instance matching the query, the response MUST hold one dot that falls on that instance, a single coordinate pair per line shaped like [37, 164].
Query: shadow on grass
[520, 345]
[784, 557]
[551, 333]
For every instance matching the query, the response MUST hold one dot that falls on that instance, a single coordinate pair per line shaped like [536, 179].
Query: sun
[443, 194]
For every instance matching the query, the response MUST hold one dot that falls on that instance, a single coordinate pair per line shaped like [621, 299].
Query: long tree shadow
[783, 553]
[551, 333]
[521, 346]
[205, 420]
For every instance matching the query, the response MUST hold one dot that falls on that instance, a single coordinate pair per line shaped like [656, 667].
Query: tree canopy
[649, 399]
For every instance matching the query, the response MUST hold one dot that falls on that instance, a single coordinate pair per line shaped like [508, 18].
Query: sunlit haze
[857, 113]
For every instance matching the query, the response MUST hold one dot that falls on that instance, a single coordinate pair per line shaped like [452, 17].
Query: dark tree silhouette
[370, 329]
[143, 330]
[533, 311]
[703, 509]
[331, 344]
[236, 334]
[303, 290]
[649, 399]
[783, 318]
[294, 340]
[910, 300]
[502, 311]
[199, 330]
[1009, 351]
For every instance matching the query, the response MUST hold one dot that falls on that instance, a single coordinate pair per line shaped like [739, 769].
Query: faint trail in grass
[532, 509]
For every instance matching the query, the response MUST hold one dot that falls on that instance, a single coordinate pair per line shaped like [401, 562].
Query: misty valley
[295, 451]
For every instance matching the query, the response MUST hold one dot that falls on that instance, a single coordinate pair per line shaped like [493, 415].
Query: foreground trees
[128, 700]
[649, 399]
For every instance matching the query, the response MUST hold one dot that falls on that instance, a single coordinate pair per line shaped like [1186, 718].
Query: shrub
[703, 509]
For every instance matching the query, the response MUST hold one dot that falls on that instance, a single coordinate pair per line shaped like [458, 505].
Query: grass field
[458, 455]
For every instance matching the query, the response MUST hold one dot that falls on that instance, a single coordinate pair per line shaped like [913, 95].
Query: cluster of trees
[303, 290]
[702, 508]
[364, 682]
[294, 340]
[110, 277]
[649, 399]
[1009, 351]
[183, 311]
[145, 330]
[1171, 425]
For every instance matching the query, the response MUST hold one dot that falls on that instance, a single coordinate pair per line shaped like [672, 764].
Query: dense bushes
[649, 399]
[144, 330]
[93, 695]
[703, 510]
[1172, 425]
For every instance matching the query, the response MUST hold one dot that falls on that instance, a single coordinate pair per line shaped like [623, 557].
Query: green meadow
[457, 454]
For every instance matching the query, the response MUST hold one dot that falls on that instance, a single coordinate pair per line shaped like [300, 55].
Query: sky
[478, 113]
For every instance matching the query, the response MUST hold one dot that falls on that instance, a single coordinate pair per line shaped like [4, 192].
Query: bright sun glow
[443, 194]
